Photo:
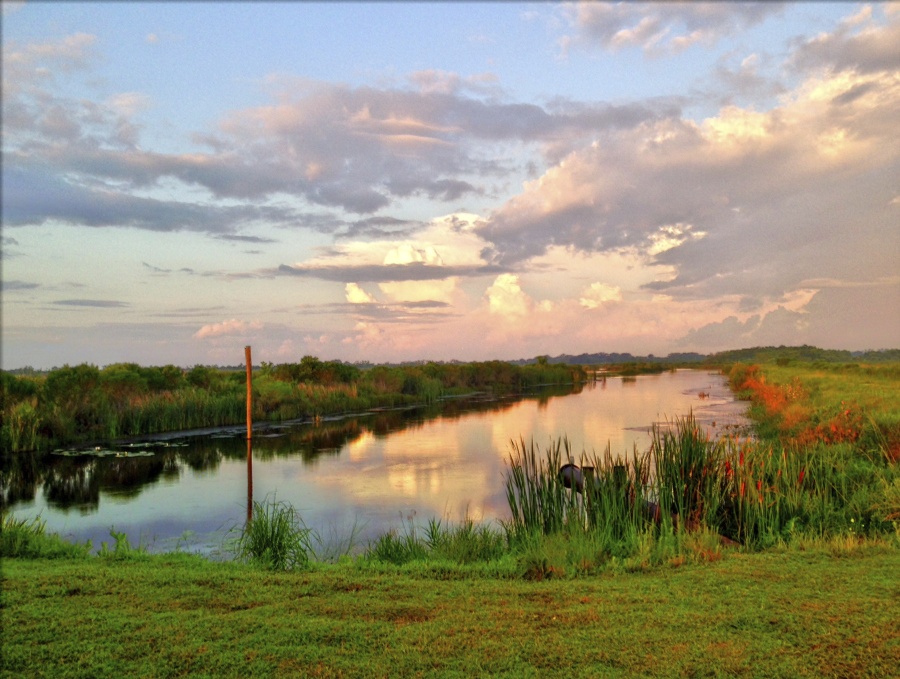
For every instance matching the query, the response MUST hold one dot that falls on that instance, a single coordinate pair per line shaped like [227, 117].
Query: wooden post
[249, 393]
[249, 434]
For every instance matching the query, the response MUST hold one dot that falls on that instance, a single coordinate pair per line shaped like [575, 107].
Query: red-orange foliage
[785, 404]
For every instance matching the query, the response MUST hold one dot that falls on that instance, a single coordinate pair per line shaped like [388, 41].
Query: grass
[826, 612]
[275, 537]
[28, 539]
[439, 543]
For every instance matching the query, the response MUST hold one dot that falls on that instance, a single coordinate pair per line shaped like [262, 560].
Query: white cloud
[598, 294]
[356, 295]
[762, 198]
[506, 297]
[232, 327]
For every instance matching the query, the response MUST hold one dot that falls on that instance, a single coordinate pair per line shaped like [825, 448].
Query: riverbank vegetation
[824, 466]
[86, 403]
[770, 556]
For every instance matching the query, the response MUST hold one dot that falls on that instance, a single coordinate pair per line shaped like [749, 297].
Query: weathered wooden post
[249, 434]
[249, 393]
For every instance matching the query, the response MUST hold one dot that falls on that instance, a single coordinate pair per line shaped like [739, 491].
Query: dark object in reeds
[677, 485]
[573, 477]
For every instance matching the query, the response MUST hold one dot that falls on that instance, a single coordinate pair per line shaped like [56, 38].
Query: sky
[446, 181]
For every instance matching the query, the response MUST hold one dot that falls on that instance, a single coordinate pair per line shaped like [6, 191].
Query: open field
[828, 612]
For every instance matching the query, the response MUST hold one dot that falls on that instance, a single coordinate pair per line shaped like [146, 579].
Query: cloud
[433, 292]
[33, 196]
[245, 239]
[506, 297]
[745, 202]
[858, 44]
[356, 149]
[155, 269]
[409, 254]
[598, 294]
[444, 248]
[378, 227]
[373, 273]
[356, 295]
[96, 303]
[660, 28]
[226, 328]
[9, 286]
[837, 317]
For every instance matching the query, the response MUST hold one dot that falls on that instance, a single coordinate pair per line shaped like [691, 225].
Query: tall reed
[749, 492]
[538, 499]
[687, 465]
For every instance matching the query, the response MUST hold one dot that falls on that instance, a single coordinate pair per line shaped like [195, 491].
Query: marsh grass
[276, 537]
[687, 497]
[121, 547]
[676, 479]
[21, 538]
[79, 403]
[687, 479]
[439, 542]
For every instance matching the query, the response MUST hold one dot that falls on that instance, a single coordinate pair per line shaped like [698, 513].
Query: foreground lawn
[828, 612]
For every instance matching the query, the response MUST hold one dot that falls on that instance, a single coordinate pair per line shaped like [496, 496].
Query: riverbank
[828, 610]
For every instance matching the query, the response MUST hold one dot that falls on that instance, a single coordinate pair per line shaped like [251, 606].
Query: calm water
[367, 473]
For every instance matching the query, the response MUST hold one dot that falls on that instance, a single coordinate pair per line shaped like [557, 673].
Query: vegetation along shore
[775, 555]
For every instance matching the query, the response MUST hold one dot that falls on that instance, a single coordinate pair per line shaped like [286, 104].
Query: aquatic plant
[275, 537]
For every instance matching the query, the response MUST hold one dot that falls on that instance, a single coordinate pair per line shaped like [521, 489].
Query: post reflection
[249, 480]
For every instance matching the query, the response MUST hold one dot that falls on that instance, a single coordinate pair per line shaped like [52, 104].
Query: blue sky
[402, 181]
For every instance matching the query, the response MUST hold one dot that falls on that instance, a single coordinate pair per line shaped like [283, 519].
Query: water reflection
[367, 471]
[249, 479]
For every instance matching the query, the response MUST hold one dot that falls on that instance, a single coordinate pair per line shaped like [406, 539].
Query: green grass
[29, 539]
[275, 537]
[826, 612]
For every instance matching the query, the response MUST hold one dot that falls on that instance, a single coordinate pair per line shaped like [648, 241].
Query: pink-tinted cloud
[225, 328]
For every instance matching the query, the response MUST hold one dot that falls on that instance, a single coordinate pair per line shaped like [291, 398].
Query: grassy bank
[829, 612]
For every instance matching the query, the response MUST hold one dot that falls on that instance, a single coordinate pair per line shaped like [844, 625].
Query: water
[354, 476]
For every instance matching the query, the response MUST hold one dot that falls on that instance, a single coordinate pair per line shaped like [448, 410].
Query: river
[351, 477]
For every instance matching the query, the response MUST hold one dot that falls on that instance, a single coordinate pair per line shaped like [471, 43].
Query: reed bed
[689, 490]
